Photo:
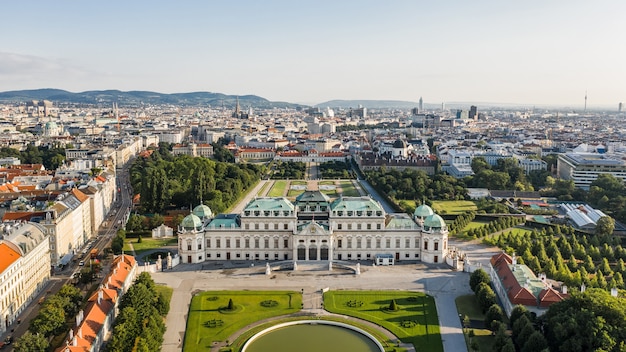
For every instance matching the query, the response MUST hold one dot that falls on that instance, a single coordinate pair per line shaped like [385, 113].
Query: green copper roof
[267, 203]
[191, 222]
[435, 222]
[312, 196]
[355, 204]
[202, 211]
[399, 221]
[423, 211]
[225, 221]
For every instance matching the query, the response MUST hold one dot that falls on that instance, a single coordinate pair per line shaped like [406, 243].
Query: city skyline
[555, 53]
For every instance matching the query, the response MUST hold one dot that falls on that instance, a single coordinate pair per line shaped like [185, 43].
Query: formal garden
[411, 316]
[215, 316]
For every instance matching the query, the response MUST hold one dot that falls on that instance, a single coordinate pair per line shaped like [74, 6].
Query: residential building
[24, 268]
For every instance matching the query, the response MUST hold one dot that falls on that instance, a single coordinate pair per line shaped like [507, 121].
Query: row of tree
[335, 169]
[54, 318]
[493, 226]
[292, 170]
[184, 180]
[140, 325]
[596, 261]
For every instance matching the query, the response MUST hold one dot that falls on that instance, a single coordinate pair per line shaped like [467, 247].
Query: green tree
[49, 321]
[536, 342]
[30, 342]
[589, 321]
[135, 223]
[605, 226]
[494, 313]
[231, 305]
[485, 296]
[393, 306]
[477, 277]
[156, 220]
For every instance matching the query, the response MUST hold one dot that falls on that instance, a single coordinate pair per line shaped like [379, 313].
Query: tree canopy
[182, 181]
[589, 321]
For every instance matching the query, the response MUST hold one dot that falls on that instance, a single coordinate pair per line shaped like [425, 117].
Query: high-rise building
[473, 113]
[420, 106]
[620, 107]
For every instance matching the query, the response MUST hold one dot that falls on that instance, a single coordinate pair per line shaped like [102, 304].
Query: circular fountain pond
[312, 336]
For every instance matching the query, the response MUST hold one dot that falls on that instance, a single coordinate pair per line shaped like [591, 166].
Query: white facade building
[313, 228]
[24, 268]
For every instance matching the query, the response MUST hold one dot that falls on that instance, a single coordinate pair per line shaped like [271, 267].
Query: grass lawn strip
[209, 321]
[453, 206]
[327, 183]
[278, 189]
[348, 189]
[415, 322]
[149, 243]
[467, 305]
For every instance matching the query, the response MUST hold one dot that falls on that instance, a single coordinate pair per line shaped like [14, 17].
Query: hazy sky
[531, 51]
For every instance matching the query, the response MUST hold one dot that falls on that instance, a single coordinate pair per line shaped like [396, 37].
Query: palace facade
[313, 228]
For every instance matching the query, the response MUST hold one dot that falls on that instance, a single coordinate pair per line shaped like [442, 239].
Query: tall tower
[585, 101]
[620, 106]
[420, 105]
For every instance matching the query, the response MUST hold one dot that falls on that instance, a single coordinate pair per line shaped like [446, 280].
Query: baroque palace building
[313, 228]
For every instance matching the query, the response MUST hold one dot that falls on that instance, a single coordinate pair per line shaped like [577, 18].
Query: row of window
[340, 243]
[257, 256]
[340, 226]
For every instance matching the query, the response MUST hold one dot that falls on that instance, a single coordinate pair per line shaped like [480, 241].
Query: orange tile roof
[8, 256]
[99, 306]
[79, 195]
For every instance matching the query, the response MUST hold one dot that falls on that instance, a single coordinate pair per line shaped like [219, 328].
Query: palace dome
[191, 222]
[435, 222]
[202, 211]
[423, 211]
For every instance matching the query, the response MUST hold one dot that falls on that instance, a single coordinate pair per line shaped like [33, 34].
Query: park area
[413, 321]
[210, 319]
[453, 207]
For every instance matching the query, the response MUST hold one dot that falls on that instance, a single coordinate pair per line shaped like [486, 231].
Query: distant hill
[135, 98]
[370, 104]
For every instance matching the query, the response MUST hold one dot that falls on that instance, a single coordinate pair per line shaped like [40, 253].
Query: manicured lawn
[474, 225]
[299, 182]
[348, 189]
[327, 183]
[415, 322]
[467, 305]
[294, 192]
[484, 338]
[149, 243]
[278, 189]
[262, 191]
[167, 291]
[453, 206]
[208, 321]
